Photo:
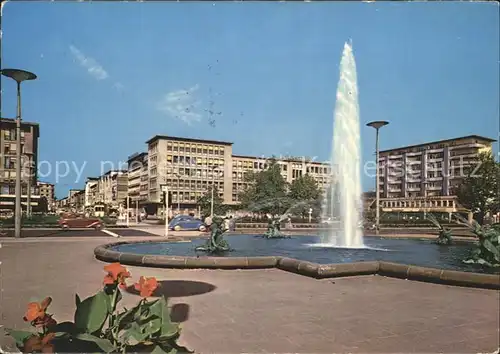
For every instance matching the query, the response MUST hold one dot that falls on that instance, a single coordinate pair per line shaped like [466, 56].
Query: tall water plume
[343, 204]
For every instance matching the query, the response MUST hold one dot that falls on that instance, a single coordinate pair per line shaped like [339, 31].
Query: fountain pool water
[406, 251]
[343, 198]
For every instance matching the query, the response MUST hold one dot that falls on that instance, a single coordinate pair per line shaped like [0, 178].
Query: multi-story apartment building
[426, 175]
[47, 190]
[138, 178]
[291, 169]
[188, 167]
[62, 203]
[77, 199]
[112, 188]
[30, 133]
[91, 191]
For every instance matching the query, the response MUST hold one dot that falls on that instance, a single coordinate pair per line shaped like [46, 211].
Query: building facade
[30, 133]
[62, 204]
[112, 188]
[138, 178]
[425, 176]
[77, 199]
[47, 190]
[189, 166]
[91, 191]
[291, 169]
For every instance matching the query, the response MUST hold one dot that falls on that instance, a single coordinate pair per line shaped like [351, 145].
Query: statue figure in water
[487, 250]
[216, 242]
[274, 228]
[444, 237]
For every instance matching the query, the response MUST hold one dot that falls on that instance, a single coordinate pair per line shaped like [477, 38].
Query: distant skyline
[262, 75]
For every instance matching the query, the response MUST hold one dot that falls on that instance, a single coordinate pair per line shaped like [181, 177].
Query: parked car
[79, 222]
[186, 222]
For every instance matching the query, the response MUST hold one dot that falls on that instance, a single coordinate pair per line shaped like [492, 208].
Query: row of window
[11, 148]
[190, 184]
[191, 197]
[10, 134]
[195, 148]
[191, 172]
[189, 160]
[399, 165]
[417, 203]
[296, 173]
[11, 189]
[455, 152]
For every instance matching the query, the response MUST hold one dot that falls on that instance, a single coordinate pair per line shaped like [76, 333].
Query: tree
[266, 191]
[205, 202]
[305, 193]
[43, 205]
[479, 191]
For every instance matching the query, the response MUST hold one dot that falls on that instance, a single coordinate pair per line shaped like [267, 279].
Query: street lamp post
[164, 189]
[377, 125]
[18, 76]
[178, 176]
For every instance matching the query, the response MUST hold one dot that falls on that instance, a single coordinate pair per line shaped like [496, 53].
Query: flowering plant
[99, 326]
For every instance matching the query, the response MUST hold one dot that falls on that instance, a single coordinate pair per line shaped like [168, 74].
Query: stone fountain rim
[305, 268]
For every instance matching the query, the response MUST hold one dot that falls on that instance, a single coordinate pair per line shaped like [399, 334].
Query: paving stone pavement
[264, 311]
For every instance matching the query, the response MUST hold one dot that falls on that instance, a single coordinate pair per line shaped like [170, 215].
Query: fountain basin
[439, 264]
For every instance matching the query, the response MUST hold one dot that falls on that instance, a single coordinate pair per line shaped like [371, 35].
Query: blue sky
[109, 72]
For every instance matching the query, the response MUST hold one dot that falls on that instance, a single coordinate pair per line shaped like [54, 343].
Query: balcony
[134, 184]
[433, 188]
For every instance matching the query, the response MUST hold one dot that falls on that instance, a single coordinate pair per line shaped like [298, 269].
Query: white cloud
[93, 67]
[181, 104]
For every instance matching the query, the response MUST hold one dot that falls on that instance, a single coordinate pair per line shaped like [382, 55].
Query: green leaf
[490, 247]
[102, 343]
[66, 327]
[132, 335]
[19, 336]
[109, 299]
[160, 308]
[126, 317]
[77, 300]
[151, 326]
[159, 350]
[168, 329]
[92, 312]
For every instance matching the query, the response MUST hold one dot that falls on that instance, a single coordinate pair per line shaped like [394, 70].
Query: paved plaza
[263, 311]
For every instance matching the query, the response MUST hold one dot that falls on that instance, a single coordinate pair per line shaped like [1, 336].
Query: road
[77, 233]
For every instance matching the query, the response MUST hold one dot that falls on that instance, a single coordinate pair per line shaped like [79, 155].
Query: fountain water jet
[342, 204]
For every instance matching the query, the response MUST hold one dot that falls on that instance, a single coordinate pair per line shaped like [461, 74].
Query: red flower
[116, 275]
[37, 310]
[146, 286]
